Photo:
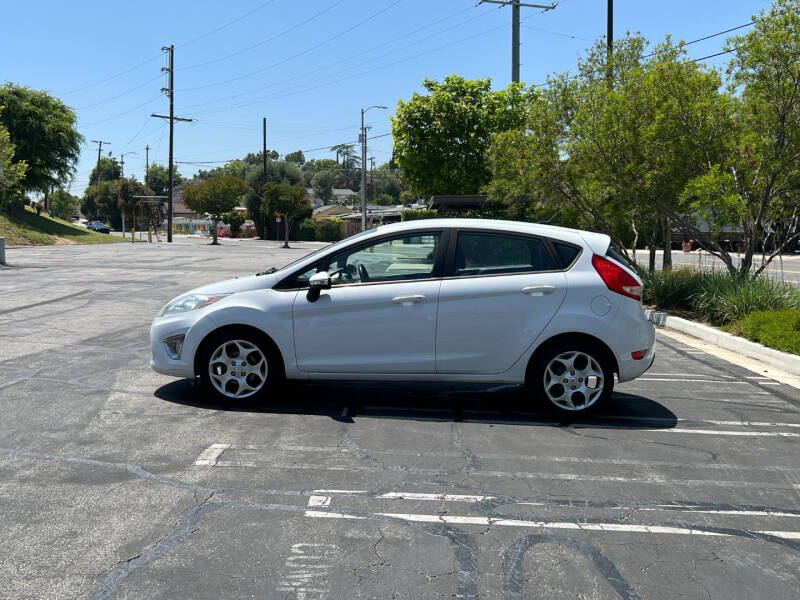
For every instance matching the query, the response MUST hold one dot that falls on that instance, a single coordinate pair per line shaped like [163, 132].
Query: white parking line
[444, 497]
[210, 455]
[737, 433]
[574, 526]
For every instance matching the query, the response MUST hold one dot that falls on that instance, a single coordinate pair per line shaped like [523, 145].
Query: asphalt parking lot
[117, 482]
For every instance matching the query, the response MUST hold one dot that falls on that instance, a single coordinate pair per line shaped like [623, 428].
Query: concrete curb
[774, 358]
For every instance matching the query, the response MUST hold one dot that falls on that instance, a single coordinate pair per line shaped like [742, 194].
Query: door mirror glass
[318, 282]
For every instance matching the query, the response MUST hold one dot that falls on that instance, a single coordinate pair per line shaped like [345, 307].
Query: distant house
[345, 196]
[179, 209]
[329, 210]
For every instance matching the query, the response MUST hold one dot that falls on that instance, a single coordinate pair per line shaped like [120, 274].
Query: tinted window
[397, 259]
[566, 254]
[488, 254]
[611, 253]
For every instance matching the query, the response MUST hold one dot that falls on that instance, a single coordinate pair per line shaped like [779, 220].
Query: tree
[12, 172]
[751, 158]
[109, 170]
[441, 139]
[322, 183]
[296, 157]
[101, 200]
[215, 196]
[44, 133]
[384, 199]
[286, 201]
[388, 181]
[128, 203]
[63, 204]
[157, 179]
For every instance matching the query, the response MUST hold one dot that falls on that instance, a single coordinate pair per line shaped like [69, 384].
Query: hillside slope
[29, 229]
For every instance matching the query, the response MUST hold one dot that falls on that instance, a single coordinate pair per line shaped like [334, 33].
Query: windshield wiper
[268, 271]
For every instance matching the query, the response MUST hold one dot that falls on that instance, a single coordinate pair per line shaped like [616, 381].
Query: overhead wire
[298, 54]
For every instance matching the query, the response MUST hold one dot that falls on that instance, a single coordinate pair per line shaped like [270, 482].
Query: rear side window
[566, 253]
[611, 253]
[492, 254]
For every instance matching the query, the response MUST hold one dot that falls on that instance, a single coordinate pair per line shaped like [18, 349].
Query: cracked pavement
[685, 486]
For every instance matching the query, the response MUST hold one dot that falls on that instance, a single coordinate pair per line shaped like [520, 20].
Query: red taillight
[638, 354]
[616, 278]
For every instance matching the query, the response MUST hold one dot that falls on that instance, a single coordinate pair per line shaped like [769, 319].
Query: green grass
[779, 329]
[26, 228]
[715, 297]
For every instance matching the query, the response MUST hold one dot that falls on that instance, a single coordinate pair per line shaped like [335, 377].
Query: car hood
[239, 284]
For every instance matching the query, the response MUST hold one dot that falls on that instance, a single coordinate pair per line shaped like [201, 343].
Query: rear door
[500, 292]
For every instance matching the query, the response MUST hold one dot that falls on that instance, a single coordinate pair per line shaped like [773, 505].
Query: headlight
[189, 302]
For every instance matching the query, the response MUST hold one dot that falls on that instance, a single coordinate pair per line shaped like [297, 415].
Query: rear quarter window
[566, 253]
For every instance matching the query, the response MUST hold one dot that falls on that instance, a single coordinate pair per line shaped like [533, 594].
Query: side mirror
[318, 282]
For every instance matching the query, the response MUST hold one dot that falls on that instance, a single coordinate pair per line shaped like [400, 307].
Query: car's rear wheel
[237, 364]
[572, 377]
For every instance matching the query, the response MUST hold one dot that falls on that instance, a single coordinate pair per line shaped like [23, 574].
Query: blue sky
[307, 66]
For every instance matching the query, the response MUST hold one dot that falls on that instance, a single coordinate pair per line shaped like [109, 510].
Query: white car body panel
[470, 329]
[495, 310]
[367, 328]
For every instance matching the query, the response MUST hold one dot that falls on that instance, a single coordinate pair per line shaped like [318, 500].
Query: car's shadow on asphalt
[346, 401]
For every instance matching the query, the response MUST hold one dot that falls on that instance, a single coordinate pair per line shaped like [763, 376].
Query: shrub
[307, 230]
[776, 329]
[716, 297]
[415, 215]
[328, 231]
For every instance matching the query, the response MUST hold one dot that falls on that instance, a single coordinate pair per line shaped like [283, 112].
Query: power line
[356, 55]
[110, 77]
[267, 40]
[298, 54]
[133, 89]
[145, 103]
[566, 35]
[228, 24]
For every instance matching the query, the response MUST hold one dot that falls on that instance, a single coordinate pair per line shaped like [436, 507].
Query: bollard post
[2, 250]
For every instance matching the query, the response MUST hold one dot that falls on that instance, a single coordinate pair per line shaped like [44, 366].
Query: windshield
[325, 248]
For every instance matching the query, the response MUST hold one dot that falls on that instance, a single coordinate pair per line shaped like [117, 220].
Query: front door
[379, 315]
[500, 294]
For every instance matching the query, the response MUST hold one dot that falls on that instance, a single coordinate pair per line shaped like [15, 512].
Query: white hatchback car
[443, 300]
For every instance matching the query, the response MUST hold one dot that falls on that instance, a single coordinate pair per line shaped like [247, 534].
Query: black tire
[537, 381]
[260, 343]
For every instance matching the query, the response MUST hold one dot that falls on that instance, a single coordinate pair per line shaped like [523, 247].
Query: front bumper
[193, 327]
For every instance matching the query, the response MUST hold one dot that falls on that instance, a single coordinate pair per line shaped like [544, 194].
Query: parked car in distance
[98, 226]
[447, 300]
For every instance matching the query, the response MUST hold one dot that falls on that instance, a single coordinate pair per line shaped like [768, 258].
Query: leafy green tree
[297, 158]
[109, 170]
[407, 197]
[441, 139]
[388, 181]
[215, 196]
[322, 183]
[101, 201]
[287, 201]
[384, 199]
[751, 155]
[45, 136]
[129, 204]
[157, 179]
[12, 172]
[235, 219]
[63, 204]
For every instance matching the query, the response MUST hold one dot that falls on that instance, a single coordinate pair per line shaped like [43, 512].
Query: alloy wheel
[237, 369]
[573, 381]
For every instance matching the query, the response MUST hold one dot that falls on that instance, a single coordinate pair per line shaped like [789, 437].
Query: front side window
[497, 254]
[398, 259]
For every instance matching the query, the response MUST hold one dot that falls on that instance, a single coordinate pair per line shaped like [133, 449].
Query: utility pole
[610, 29]
[372, 179]
[265, 147]
[146, 162]
[170, 91]
[515, 24]
[363, 139]
[99, 150]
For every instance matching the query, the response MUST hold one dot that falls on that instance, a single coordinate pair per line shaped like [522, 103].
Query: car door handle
[538, 290]
[408, 300]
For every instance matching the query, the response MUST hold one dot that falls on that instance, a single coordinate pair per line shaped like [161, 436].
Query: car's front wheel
[237, 364]
[572, 377]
